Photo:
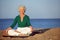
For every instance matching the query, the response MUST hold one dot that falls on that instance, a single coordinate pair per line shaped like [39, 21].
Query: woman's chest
[21, 22]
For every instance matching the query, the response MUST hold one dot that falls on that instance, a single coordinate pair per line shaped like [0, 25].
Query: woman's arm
[14, 23]
[29, 24]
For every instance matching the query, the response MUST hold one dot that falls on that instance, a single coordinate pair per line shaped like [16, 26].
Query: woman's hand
[8, 29]
[5, 32]
[31, 28]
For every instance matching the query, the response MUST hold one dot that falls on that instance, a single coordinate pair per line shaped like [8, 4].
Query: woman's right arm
[12, 26]
[14, 23]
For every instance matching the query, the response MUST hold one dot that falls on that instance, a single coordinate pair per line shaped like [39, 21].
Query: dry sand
[51, 34]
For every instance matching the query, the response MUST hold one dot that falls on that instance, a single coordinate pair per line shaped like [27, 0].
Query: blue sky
[35, 8]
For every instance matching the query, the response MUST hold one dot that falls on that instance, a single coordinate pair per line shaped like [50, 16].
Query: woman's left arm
[29, 24]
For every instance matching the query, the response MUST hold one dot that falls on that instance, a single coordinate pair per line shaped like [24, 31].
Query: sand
[51, 34]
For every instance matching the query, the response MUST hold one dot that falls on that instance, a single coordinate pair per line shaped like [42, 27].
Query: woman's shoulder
[27, 16]
[17, 16]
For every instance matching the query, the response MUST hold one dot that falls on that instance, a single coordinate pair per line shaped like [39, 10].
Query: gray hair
[21, 7]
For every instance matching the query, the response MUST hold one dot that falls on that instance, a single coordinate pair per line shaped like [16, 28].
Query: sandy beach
[41, 34]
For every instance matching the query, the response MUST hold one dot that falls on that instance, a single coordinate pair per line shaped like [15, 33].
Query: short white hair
[21, 7]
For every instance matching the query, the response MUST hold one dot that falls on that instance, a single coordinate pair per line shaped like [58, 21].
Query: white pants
[25, 30]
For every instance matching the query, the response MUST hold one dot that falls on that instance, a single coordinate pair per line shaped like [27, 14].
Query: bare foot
[17, 31]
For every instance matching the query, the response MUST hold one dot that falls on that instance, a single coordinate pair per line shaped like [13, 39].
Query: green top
[24, 23]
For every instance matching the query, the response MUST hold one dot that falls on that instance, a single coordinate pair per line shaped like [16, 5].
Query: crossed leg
[20, 31]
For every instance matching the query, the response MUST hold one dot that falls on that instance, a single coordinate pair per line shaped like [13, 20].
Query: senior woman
[24, 25]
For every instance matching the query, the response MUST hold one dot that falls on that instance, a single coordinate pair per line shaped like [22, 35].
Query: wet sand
[38, 34]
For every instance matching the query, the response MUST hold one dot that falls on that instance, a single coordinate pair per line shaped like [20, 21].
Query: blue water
[36, 23]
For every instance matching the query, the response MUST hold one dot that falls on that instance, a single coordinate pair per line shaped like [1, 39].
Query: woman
[24, 26]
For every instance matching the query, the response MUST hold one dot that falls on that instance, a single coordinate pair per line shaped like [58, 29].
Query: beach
[39, 34]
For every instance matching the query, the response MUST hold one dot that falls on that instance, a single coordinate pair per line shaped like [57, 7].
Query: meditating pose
[24, 26]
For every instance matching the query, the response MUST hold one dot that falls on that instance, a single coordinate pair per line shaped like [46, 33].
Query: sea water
[36, 23]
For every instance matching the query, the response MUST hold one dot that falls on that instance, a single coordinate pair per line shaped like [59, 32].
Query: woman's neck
[21, 14]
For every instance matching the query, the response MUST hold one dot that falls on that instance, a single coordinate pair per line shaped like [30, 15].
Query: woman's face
[21, 10]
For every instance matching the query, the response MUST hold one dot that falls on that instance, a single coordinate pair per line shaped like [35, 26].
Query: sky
[35, 9]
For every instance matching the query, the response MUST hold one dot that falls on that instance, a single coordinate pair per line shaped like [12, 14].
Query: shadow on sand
[39, 31]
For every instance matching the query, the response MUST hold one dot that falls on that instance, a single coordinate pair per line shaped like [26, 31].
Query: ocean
[36, 23]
